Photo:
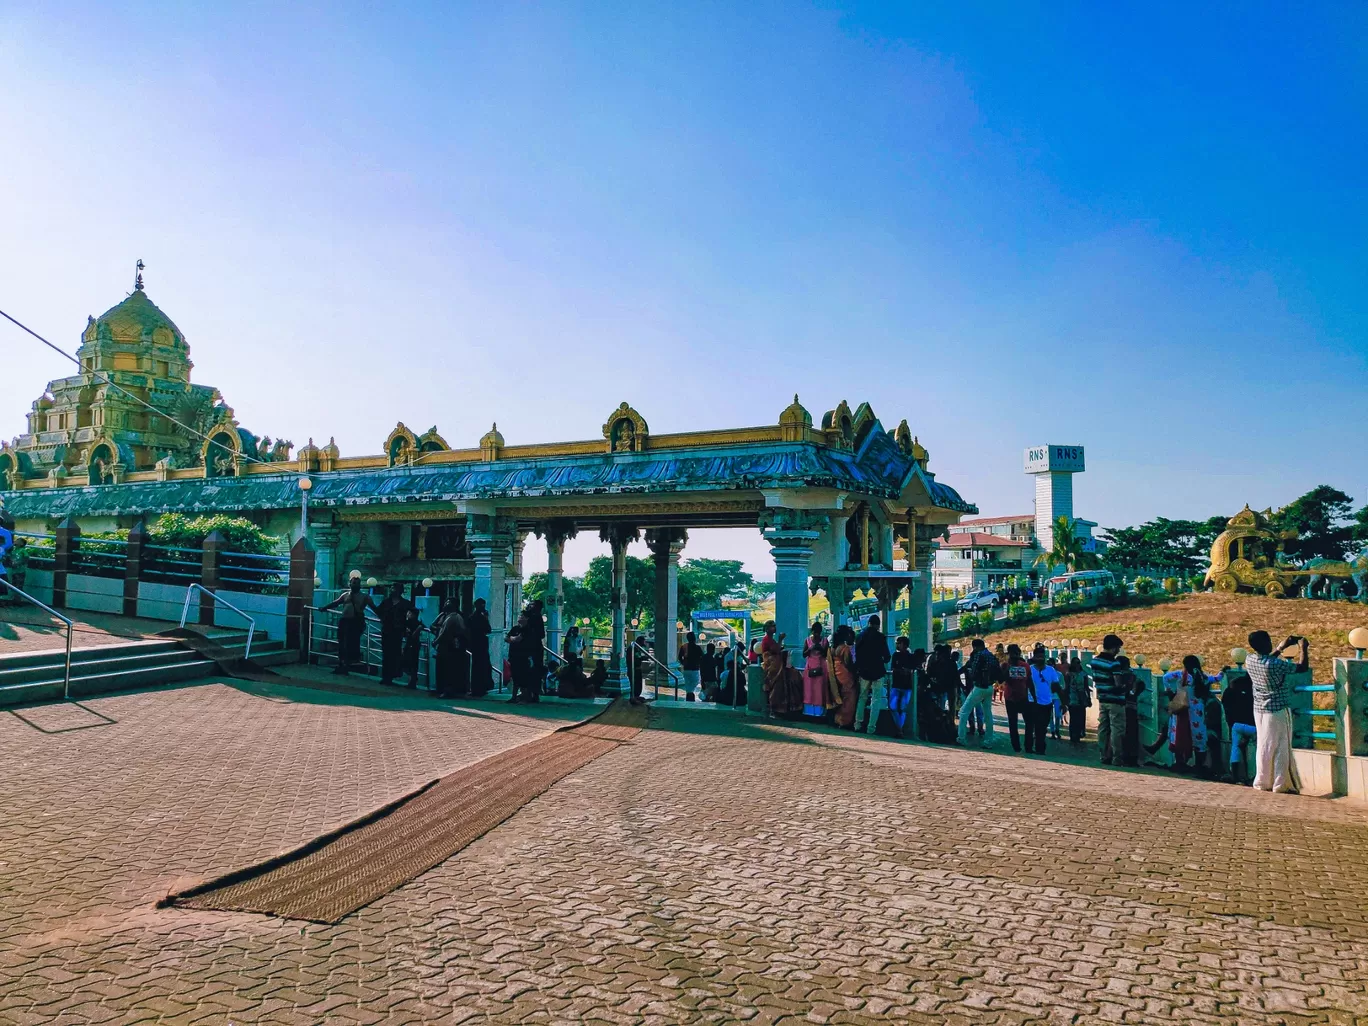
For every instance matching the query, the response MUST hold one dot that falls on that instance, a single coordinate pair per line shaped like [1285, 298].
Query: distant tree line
[1324, 518]
[703, 584]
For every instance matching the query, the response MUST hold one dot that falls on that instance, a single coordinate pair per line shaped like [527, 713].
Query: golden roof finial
[137, 278]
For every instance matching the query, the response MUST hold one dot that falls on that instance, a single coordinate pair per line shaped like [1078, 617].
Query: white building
[992, 552]
[987, 552]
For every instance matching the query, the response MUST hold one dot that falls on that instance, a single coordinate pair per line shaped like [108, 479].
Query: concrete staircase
[37, 676]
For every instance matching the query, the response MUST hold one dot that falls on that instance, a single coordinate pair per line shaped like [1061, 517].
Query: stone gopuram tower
[91, 426]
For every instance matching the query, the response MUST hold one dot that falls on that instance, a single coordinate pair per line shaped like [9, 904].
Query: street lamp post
[304, 485]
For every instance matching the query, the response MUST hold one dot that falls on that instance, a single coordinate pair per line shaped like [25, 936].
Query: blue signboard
[722, 614]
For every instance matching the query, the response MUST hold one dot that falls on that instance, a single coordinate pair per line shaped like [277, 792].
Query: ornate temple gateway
[834, 500]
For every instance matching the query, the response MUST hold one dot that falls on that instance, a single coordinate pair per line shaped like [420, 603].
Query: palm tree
[1067, 550]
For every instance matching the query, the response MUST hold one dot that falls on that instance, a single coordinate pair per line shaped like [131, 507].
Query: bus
[1087, 583]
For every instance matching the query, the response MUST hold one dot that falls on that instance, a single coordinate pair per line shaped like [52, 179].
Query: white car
[977, 600]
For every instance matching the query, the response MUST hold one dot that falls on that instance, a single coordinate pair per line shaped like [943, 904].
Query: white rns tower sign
[1053, 467]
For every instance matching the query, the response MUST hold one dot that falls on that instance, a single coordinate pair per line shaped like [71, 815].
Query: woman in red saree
[844, 684]
[783, 684]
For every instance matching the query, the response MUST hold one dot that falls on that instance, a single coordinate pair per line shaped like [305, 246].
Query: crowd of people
[858, 682]
[855, 682]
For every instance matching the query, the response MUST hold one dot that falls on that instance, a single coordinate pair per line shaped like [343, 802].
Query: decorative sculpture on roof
[401, 446]
[625, 430]
[491, 444]
[431, 441]
[274, 452]
[863, 421]
[902, 437]
[839, 426]
[794, 422]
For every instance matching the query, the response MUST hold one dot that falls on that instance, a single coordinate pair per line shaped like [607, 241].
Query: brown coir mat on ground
[338, 873]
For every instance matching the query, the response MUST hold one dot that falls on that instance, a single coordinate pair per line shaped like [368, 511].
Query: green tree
[1164, 543]
[1320, 519]
[1358, 530]
[704, 583]
[597, 587]
[177, 529]
[1067, 549]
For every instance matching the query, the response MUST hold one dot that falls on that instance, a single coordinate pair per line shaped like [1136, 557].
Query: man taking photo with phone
[1274, 768]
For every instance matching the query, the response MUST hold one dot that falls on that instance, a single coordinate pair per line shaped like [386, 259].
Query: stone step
[92, 653]
[106, 683]
[110, 661]
[38, 676]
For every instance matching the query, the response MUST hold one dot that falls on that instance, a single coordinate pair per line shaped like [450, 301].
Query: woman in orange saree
[783, 684]
[844, 684]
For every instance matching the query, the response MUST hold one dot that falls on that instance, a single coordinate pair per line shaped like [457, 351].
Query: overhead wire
[105, 379]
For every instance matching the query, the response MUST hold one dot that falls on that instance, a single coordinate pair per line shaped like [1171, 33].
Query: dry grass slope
[1208, 626]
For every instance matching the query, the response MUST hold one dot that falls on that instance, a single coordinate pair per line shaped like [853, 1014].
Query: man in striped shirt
[1274, 768]
[1111, 700]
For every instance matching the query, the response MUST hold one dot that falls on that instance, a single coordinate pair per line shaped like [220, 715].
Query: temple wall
[267, 610]
[162, 601]
[96, 594]
[38, 583]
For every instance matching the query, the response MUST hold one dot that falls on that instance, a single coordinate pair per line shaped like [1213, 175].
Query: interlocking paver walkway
[712, 870]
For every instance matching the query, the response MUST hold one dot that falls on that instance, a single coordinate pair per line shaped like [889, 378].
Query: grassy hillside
[1208, 626]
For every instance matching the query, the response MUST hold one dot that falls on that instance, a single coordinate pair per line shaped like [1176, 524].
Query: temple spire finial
[137, 278]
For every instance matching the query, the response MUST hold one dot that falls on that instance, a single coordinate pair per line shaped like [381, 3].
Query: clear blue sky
[1140, 229]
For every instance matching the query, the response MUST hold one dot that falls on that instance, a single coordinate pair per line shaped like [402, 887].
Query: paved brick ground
[711, 871]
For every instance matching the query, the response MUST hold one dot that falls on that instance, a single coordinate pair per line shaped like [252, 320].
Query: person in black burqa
[353, 603]
[1238, 702]
[478, 631]
[519, 660]
[393, 612]
[451, 636]
[413, 646]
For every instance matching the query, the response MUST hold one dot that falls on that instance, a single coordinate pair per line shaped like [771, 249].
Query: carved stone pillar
[491, 539]
[556, 533]
[666, 543]
[886, 592]
[791, 534]
[324, 538]
[619, 536]
[920, 559]
[515, 586]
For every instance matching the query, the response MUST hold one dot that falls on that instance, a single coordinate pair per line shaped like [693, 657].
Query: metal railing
[100, 557]
[171, 564]
[318, 648]
[255, 571]
[675, 678]
[1318, 714]
[6, 589]
[251, 624]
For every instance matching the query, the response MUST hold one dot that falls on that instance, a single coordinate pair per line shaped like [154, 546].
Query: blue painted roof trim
[879, 469]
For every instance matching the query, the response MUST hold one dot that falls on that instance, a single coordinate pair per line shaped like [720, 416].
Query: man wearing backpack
[981, 673]
[871, 663]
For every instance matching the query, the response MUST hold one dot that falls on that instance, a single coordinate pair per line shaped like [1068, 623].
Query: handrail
[251, 624]
[651, 656]
[66, 683]
[675, 679]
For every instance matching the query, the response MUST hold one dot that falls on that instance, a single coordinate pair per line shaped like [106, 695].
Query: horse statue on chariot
[1248, 557]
